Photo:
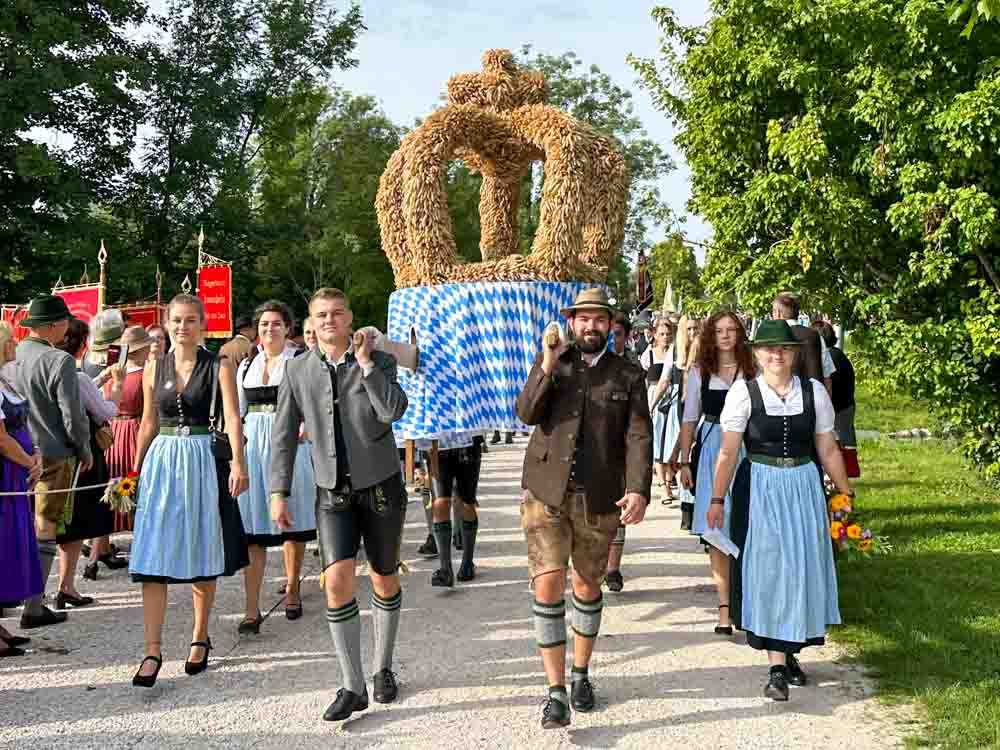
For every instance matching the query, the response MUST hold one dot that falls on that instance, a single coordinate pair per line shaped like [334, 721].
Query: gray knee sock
[47, 552]
[550, 624]
[469, 531]
[385, 618]
[442, 535]
[345, 629]
[587, 616]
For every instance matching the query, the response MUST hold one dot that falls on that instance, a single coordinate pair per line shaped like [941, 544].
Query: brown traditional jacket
[617, 432]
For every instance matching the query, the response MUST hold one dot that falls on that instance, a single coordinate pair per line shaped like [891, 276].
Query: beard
[592, 342]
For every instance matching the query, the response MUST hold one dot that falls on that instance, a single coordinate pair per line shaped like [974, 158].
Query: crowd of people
[281, 440]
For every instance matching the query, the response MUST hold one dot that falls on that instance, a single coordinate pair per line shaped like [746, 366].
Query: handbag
[221, 448]
[104, 436]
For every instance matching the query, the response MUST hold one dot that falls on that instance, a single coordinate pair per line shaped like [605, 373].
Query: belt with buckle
[780, 462]
[711, 418]
[184, 430]
[262, 408]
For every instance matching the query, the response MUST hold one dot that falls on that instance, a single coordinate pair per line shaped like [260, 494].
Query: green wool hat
[775, 333]
[45, 310]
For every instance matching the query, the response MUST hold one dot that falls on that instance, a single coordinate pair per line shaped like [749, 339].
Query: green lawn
[926, 619]
[887, 411]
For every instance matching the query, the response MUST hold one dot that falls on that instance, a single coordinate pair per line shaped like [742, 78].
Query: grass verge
[926, 618]
[887, 411]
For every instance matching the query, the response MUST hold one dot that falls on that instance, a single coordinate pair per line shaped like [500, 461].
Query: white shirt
[827, 359]
[100, 409]
[253, 373]
[692, 397]
[736, 412]
[649, 358]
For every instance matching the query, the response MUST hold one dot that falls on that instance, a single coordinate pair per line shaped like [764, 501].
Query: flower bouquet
[120, 493]
[848, 534]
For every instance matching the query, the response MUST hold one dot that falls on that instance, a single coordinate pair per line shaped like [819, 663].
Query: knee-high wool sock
[345, 629]
[469, 531]
[385, 618]
[550, 624]
[442, 535]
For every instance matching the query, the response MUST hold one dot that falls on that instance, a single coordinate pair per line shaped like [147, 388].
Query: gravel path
[466, 660]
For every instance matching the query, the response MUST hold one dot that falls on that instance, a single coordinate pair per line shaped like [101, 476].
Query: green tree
[848, 150]
[226, 81]
[673, 261]
[317, 195]
[68, 113]
[971, 11]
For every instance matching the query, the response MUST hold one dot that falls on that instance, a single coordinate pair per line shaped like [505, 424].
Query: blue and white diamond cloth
[477, 343]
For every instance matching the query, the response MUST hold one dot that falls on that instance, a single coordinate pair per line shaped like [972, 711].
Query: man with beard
[588, 468]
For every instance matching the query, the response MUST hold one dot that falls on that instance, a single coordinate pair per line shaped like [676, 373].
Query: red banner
[14, 314]
[143, 315]
[215, 288]
[83, 301]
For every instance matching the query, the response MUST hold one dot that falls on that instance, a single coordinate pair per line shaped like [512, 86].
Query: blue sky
[412, 47]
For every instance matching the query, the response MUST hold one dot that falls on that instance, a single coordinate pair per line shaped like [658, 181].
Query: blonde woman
[658, 362]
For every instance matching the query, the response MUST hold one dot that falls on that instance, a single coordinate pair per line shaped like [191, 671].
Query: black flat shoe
[194, 667]
[796, 676]
[582, 695]
[15, 640]
[48, 617]
[429, 548]
[615, 581]
[74, 601]
[346, 704]
[248, 626]
[723, 629]
[11, 651]
[443, 578]
[111, 561]
[147, 680]
[777, 685]
[384, 687]
[555, 714]
[90, 571]
[293, 613]
[466, 573]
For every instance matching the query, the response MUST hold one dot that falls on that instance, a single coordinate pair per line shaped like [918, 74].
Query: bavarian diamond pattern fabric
[477, 343]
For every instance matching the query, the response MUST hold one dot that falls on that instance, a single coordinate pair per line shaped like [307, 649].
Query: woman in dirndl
[20, 467]
[187, 523]
[723, 357]
[658, 361]
[258, 378]
[783, 586]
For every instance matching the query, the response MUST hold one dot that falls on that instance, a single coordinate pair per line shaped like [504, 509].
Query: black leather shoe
[723, 629]
[74, 601]
[429, 548]
[90, 571]
[615, 581]
[555, 714]
[495, 440]
[466, 573]
[796, 676]
[48, 617]
[196, 667]
[384, 687]
[111, 561]
[293, 613]
[11, 651]
[582, 695]
[15, 640]
[147, 680]
[777, 685]
[346, 704]
[443, 578]
[249, 625]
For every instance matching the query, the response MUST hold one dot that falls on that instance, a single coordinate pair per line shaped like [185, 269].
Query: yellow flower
[866, 545]
[853, 531]
[126, 486]
[839, 502]
[836, 528]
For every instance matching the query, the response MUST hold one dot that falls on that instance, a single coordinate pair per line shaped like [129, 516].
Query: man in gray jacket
[345, 395]
[47, 378]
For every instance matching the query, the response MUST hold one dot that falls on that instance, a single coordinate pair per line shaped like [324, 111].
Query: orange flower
[836, 529]
[839, 503]
[853, 531]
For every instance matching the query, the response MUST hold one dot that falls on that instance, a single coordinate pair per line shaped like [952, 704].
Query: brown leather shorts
[557, 535]
[57, 474]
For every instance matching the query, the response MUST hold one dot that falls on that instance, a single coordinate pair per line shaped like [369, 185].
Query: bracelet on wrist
[717, 501]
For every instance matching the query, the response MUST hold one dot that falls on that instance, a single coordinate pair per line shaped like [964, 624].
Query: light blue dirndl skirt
[711, 435]
[255, 502]
[178, 529]
[666, 430]
[789, 578]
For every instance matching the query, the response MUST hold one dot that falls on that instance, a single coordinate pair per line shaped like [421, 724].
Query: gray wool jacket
[368, 404]
[47, 378]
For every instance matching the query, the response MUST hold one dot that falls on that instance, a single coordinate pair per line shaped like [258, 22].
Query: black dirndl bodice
[192, 405]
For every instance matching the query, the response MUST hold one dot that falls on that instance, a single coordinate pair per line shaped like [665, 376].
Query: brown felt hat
[590, 299]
